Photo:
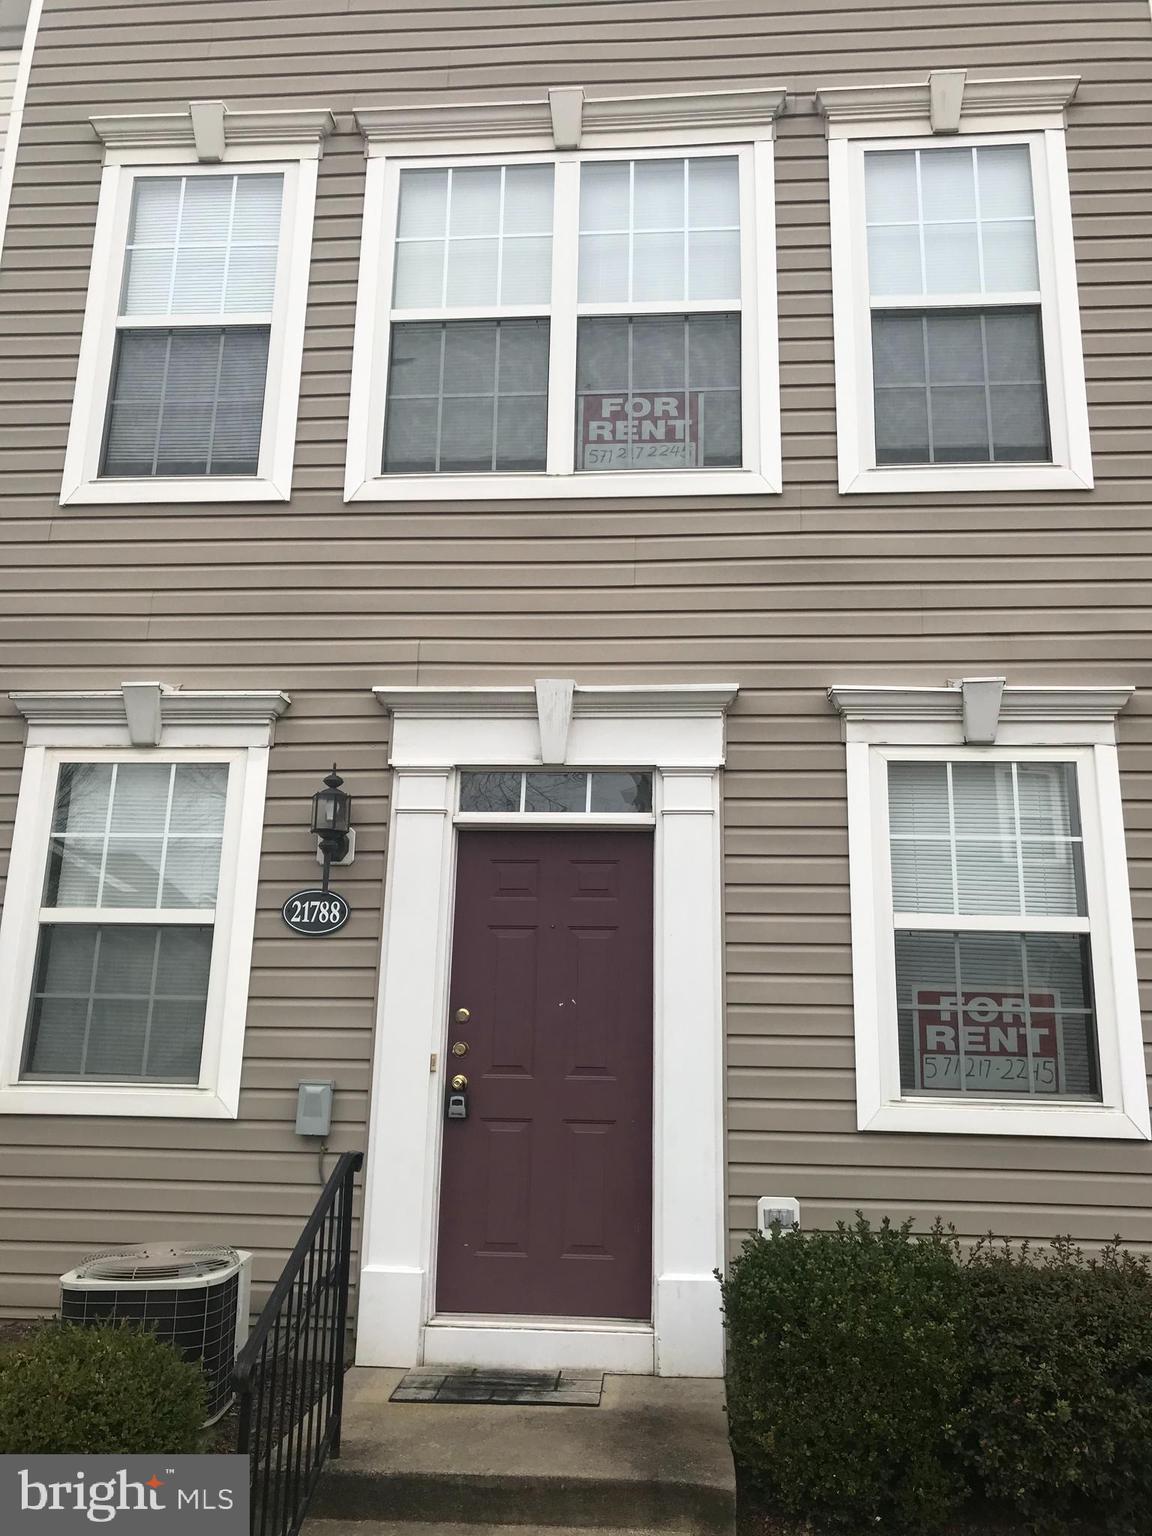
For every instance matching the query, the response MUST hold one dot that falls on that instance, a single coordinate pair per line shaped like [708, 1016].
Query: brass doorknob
[459, 1083]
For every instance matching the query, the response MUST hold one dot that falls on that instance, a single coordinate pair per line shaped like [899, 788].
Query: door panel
[546, 1189]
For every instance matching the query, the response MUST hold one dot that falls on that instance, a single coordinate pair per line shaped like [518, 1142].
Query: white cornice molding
[565, 118]
[589, 701]
[868, 704]
[851, 110]
[210, 130]
[145, 709]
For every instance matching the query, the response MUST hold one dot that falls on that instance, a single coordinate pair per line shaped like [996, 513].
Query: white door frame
[677, 730]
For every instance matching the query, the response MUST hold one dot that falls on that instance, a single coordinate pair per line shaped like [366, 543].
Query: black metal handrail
[289, 1377]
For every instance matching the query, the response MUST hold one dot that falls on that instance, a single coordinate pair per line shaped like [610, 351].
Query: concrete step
[653, 1457]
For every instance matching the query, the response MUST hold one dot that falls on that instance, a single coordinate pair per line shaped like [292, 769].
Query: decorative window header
[567, 119]
[946, 102]
[142, 714]
[213, 133]
[976, 710]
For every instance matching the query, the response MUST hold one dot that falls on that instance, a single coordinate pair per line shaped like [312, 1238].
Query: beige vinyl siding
[784, 595]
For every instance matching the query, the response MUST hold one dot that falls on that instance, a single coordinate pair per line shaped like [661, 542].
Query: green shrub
[847, 1369]
[1059, 1416]
[110, 1390]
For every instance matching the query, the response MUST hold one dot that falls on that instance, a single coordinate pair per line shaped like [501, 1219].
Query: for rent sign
[987, 1041]
[656, 429]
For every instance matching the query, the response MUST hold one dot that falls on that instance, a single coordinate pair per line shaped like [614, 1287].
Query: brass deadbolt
[459, 1083]
[462, 1015]
[459, 1048]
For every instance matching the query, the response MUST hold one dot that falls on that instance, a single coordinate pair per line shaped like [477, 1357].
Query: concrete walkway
[653, 1456]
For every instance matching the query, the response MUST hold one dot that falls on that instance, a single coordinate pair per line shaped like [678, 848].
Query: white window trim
[202, 141]
[1068, 725]
[563, 130]
[140, 723]
[984, 112]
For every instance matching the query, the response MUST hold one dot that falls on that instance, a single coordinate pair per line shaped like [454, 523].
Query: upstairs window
[954, 290]
[959, 364]
[568, 325]
[191, 359]
[189, 371]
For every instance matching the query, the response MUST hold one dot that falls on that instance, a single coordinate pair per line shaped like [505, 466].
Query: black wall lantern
[332, 821]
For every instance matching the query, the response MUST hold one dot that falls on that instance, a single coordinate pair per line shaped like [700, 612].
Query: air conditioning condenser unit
[196, 1298]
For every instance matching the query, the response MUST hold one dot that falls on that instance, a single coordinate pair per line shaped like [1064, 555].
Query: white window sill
[926, 478]
[683, 482]
[985, 1119]
[163, 492]
[128, 1101]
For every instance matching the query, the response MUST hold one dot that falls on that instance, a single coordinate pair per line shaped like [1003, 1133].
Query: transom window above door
[555, 792]
[583, 323]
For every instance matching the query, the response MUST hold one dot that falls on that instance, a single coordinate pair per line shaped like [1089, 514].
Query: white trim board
[16, 115]
[678, 732]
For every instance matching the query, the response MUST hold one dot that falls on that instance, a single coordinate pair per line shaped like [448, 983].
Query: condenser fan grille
[157, 1262]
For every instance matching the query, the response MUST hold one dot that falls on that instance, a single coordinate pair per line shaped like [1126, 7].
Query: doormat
[564, 1389]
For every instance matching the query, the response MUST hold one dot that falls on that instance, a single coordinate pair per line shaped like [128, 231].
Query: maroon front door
[546, 1187]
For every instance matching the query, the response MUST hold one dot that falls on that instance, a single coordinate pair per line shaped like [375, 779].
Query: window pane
[890, 187]
[186, 402]
[713, 194]
[1005, 181]
[982, 838]
[419, 277]
[603, 269]
[604, 195]
[658, 266]
[82, 793]
[620, 792]
[996, 1014]
[136, 835]
[659, 229]
[555, 792]
[475, 202]
[969, 210]
[202, 245]
[474, 236]
[119, 1003]
[948, 184]
[467, 396]
[714, 264]
[528, 200]
[959, 387]
[490, 791]
[423, 205]
[526, 274]
[658, 392]
[895, 263]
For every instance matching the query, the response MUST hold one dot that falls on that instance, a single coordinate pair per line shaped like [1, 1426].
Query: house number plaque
[315, 912]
